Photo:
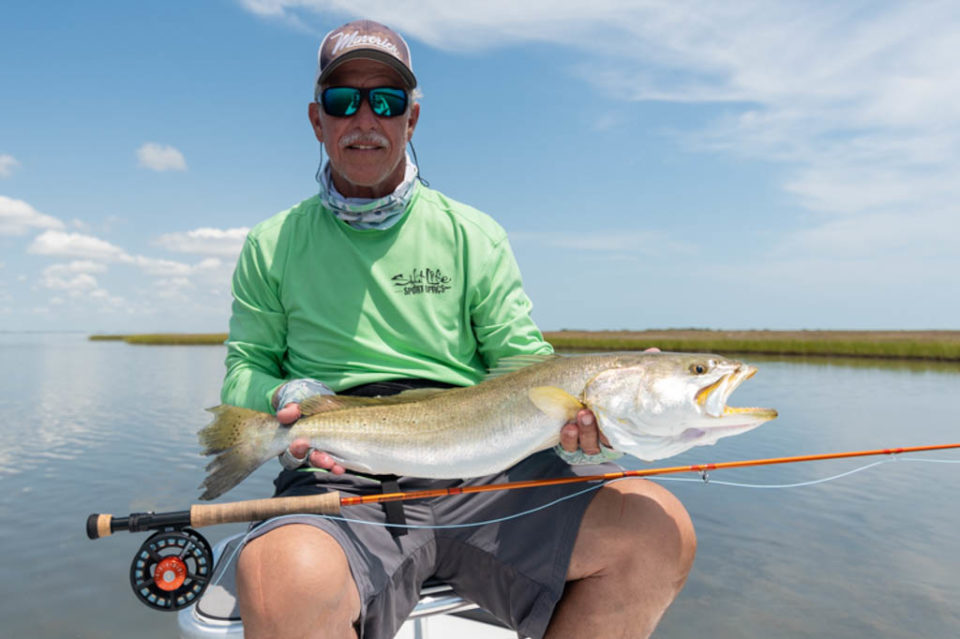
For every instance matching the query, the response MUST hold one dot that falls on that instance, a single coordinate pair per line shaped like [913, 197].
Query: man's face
[366, 151]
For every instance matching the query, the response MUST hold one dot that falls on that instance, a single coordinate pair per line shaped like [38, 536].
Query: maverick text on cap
[364, 39]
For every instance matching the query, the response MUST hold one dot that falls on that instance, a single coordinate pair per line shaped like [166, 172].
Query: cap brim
[371, 54]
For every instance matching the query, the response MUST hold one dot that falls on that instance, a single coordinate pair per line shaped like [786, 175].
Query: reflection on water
[104, 426]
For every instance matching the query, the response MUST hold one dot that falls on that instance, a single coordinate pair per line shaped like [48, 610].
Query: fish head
[655, 405]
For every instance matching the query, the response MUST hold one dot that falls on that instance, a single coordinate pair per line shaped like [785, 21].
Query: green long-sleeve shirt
[436, 296]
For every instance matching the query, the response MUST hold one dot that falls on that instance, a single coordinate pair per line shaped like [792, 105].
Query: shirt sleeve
[500, 311]
[258, 334]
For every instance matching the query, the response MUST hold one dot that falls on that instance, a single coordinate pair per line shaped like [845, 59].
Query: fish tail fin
[242, 440]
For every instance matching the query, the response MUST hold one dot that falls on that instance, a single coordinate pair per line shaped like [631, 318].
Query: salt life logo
[422, 280]
[354, 39]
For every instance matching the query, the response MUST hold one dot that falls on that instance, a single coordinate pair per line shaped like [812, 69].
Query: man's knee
[656, 514]
[294, 576]
[638, 527]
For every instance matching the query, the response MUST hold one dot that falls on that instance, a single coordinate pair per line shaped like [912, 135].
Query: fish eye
[699, 368]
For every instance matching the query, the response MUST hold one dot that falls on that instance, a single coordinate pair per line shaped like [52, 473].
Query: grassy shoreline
[908, 345]
[165, 339]
[915, 345]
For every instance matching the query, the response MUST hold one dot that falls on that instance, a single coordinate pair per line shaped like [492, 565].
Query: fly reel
[171, 569]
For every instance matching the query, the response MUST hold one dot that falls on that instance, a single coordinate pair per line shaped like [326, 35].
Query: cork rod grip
[257, 509]
[98, 525]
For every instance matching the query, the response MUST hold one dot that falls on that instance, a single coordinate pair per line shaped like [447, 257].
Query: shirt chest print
[419, 281]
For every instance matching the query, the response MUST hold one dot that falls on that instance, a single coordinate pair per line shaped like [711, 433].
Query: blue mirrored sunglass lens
[341, 101]
[388, 102]
[345, 101]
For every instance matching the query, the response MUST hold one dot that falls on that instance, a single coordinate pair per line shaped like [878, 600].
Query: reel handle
[103, 524]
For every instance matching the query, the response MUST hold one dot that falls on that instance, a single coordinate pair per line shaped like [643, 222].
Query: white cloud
[857, 102]
[17, 217]
[632, 242]
[205, 241]
[61, 244]
[7, 164]
[161, 157]
[162, 268]
[94, 252]
[171, 269]
[75, 278]
[77, 266]
[264, 7]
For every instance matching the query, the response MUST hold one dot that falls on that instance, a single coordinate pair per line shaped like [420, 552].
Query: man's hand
[582, 433]
[290, 412]
[318, 459]
[580, 438]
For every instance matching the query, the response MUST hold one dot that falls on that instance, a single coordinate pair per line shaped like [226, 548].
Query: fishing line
[173, 566]
[814, 482]
[472, 524]
[550, 504]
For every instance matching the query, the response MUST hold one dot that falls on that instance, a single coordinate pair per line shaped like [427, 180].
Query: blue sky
[656, 164]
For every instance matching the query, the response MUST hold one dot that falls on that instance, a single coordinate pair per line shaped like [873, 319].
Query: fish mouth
[712, 398]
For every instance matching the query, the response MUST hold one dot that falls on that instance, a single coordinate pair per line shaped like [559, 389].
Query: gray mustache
[364, 137]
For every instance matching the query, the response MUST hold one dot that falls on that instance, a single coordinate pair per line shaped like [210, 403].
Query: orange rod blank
[101, 525]
[648, 472]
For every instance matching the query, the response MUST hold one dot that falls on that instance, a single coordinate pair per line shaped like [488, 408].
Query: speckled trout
[649, 405]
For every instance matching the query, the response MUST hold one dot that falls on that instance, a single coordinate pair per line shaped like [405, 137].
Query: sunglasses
[342, 102]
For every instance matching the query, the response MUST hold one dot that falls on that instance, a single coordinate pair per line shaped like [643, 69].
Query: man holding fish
[378, 285]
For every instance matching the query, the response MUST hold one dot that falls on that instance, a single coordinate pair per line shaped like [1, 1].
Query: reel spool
[171, 569]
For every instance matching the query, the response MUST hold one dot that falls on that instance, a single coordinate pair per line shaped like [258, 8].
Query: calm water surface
[107, 427]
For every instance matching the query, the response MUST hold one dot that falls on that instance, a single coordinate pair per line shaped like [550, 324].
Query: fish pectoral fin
[555, 402]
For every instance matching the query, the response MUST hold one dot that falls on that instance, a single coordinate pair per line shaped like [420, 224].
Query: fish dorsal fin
[514, 363]
[326, 403]
[555, 402]
[416, 394]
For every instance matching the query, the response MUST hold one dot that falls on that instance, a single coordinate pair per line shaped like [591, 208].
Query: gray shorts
[515, 569]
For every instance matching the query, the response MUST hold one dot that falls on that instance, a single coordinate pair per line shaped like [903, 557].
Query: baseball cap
[364, 39]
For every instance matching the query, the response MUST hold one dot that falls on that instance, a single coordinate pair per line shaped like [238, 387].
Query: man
[380, 284]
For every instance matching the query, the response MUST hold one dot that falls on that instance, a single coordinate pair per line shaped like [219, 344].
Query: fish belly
[435, 449]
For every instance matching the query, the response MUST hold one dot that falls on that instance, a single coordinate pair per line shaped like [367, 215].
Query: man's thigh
[387, 570]
[515, 566]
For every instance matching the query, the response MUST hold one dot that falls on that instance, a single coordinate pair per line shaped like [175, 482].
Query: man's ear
[412, 119]
[313, 112]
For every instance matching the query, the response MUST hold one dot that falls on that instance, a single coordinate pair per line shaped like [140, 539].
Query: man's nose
[365, 116]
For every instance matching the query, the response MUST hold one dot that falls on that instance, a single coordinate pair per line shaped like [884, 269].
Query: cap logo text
[354, 39]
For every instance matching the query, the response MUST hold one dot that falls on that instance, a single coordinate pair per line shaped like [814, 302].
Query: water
[107, 427]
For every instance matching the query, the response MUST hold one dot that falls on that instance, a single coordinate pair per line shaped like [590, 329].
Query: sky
[656, 163]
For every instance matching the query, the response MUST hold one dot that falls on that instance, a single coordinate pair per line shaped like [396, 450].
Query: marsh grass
[928, 345]
[916, 345]
[167, 339]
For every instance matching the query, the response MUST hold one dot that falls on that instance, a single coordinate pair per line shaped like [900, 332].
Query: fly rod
[199, 515]
[173, 567]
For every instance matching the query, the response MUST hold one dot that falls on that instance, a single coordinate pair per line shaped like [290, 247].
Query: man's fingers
[299, 448]
[320, 459]
[570, 437]
[589, 436]
[582, 434]
[288, 414]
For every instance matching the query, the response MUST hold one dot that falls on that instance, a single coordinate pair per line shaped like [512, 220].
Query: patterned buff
[368, 213]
